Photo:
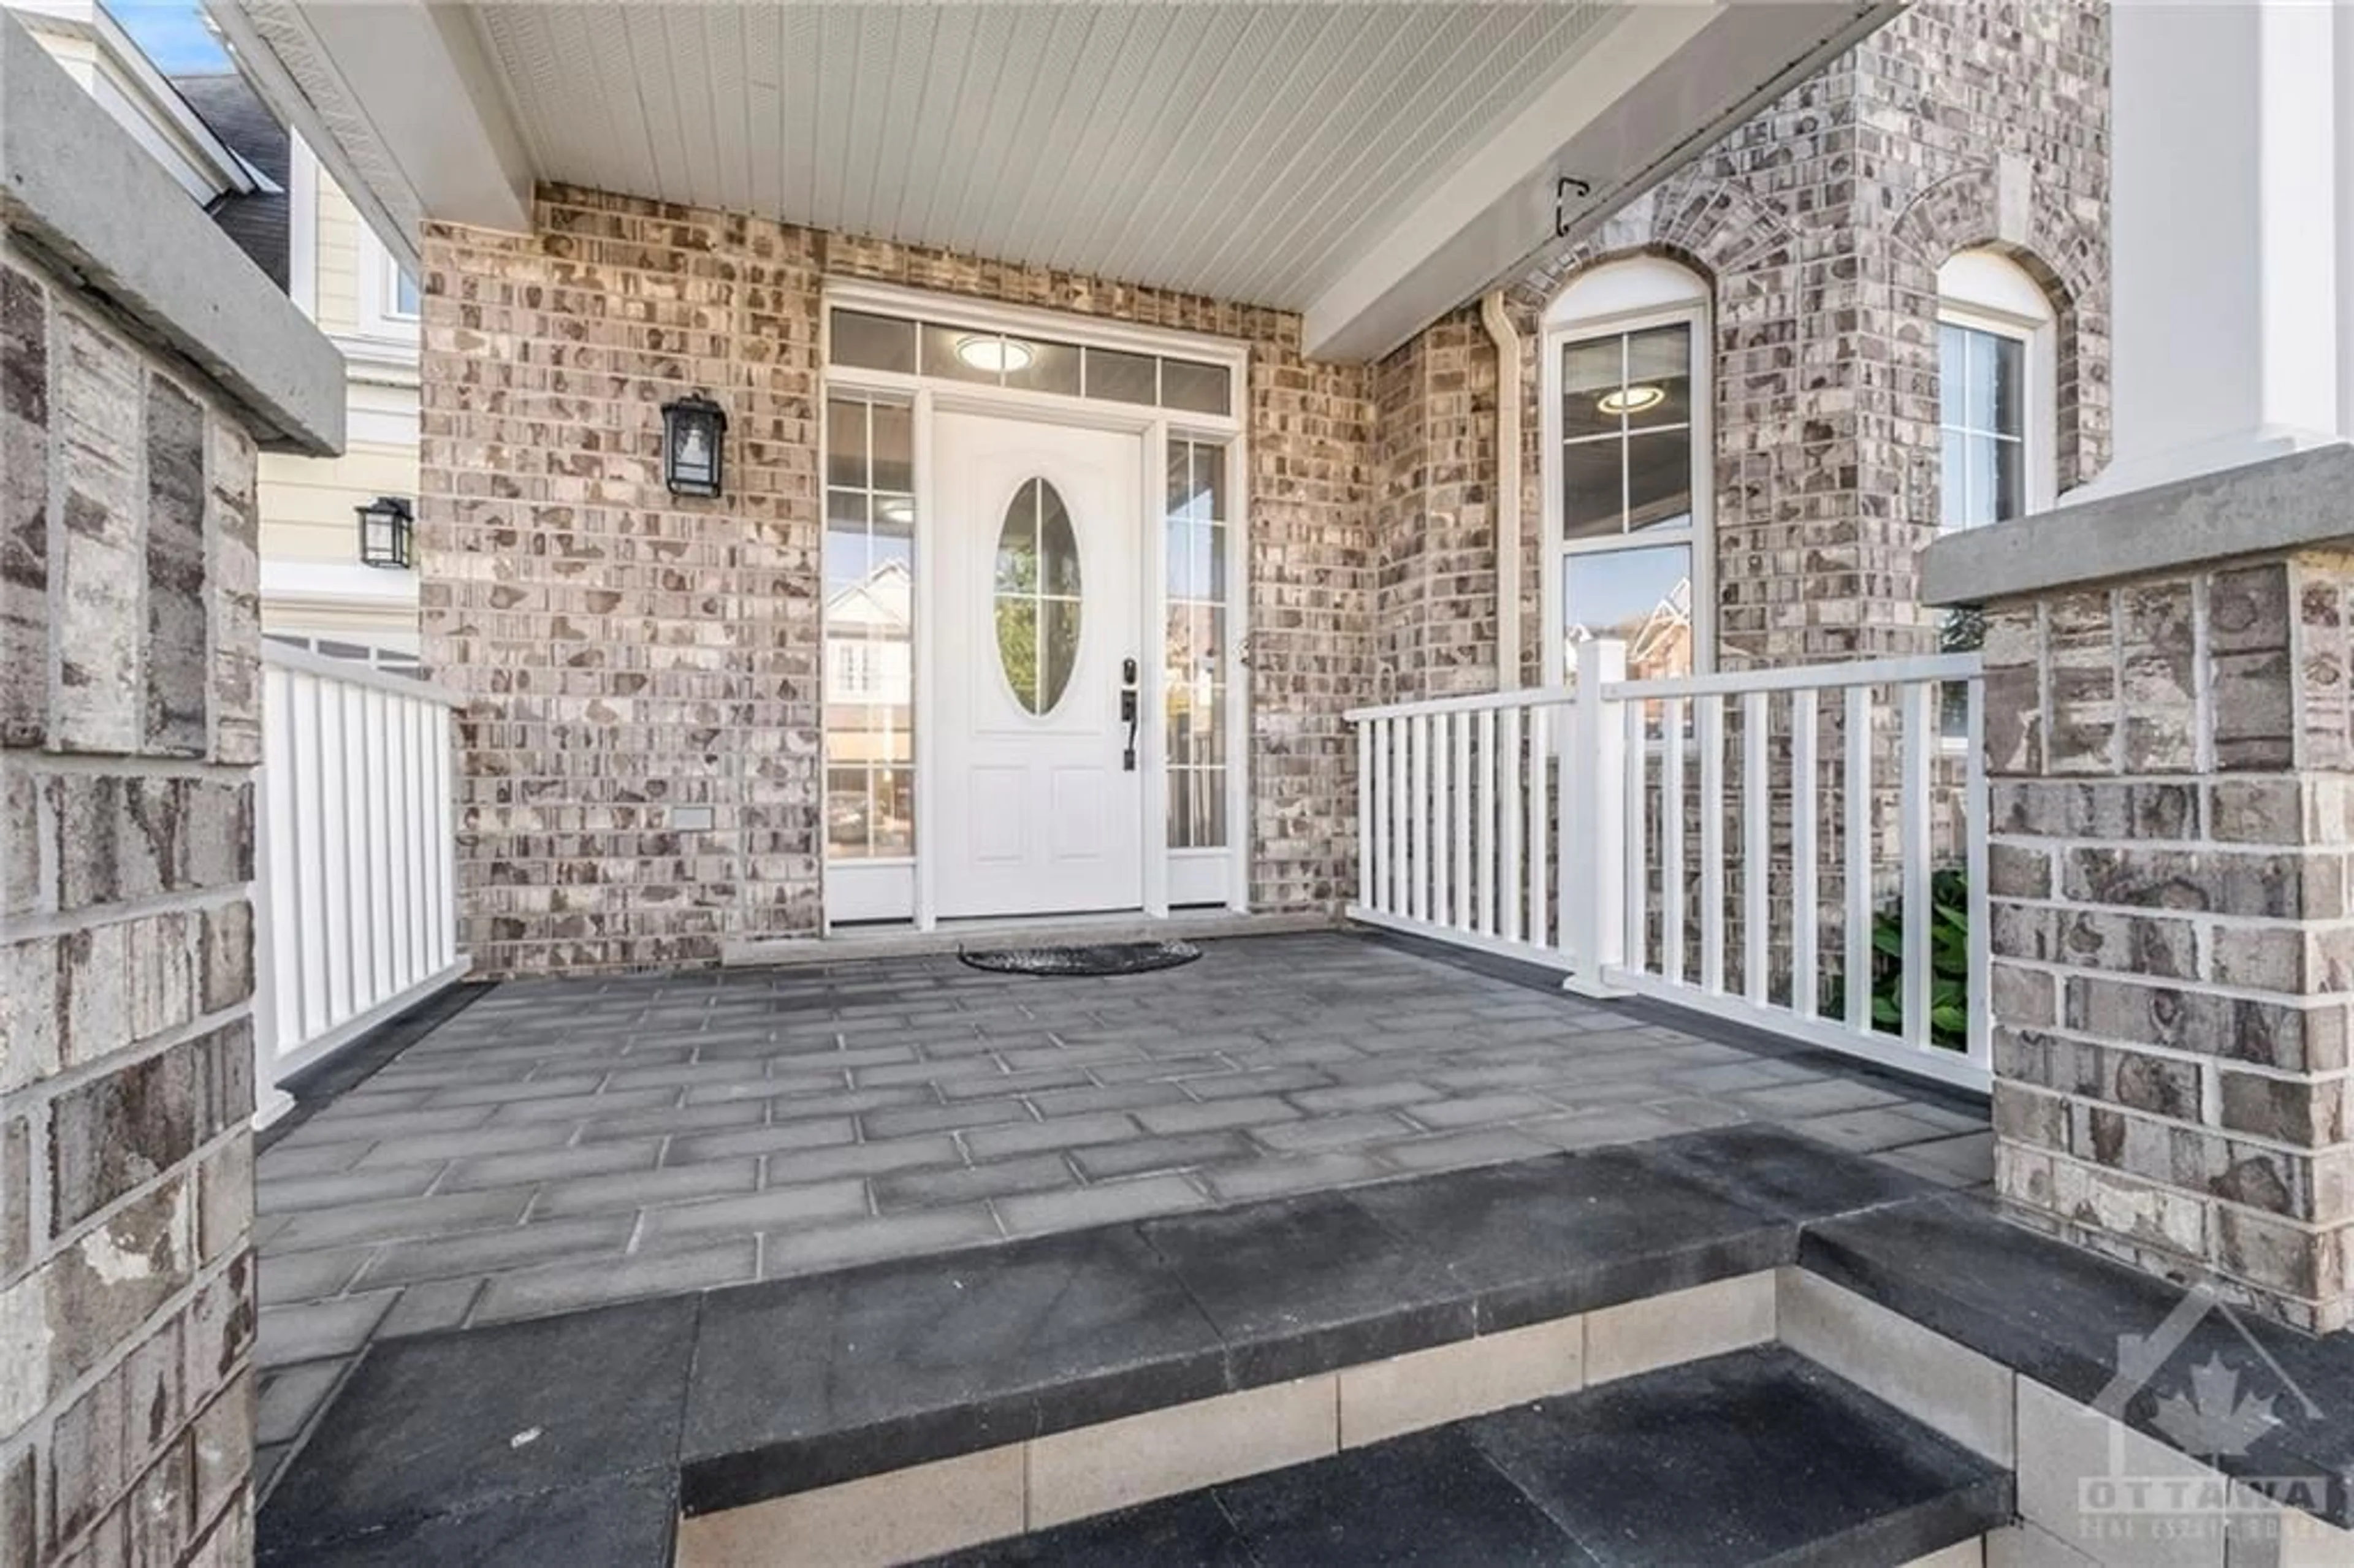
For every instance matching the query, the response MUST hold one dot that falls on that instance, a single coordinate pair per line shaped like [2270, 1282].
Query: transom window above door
[945, 351]
[1626, 391]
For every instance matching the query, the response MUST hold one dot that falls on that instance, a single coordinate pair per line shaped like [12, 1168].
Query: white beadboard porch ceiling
[1246, 151]
[1368, 163]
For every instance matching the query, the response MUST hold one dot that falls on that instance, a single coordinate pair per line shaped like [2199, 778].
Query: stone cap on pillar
[77, 191]
[2302, 500]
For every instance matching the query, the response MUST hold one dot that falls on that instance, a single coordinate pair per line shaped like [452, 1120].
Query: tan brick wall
[129, 728]
[626, 650]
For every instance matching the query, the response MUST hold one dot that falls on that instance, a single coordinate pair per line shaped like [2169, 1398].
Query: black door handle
[1128, 712]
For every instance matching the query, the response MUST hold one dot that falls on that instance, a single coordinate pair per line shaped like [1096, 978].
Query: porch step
[1759, 1457]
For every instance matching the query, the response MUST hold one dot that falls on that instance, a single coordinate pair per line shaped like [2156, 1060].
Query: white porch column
[2233, 235]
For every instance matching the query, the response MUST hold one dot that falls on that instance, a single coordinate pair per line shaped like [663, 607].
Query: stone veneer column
[2170, 746]
[130, 654]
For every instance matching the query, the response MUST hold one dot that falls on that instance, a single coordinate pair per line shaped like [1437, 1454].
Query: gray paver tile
[602, 1106]
[1107, 1204]
[1362, 1096]
[510, 1093]
[1181, 1151]
[1307, 1172]
[434, 1305]
[1479, 1110]
[357, 1225]
[569, 1286]
[630, 1190]
[768, 1209]
[1333, 1132]
[1108, 1097]
[1451, 1150]
[335, 1125]
[1056, 1133]
[549, 1164]
[289, 1397]
[277, 1194]
[307, 1276]
[921, 1188]
[862, 1159]
[469, 1144]
[1218, 1113]
[311, 1160]
[985, 1085]
[1866, 1131]
[484, 1252]
[864, 1241]
[315, 1331]
[1793, 1100]
[1177, 1069]
[824, 1132]
[1595, 1128]
[1965, 1162]
[942, 1118]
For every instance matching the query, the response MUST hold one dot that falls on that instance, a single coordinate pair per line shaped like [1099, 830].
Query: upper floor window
[1997, 383]
[1625, 400]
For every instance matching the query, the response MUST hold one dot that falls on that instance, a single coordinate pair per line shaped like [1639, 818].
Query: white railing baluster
[1513, 809]
[1540, 815]
[1671, 840]
[1400, 808]
[1756, 854]
[1442, 813]
[1368, 852]
[1711, 725]
[1915, 698]
[1466, 809]
[1856, 897]
[1485, 922]
[1805, 983]
[1419, 889]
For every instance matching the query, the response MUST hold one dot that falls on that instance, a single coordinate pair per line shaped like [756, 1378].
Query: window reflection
[869, 652]
[1193, 673]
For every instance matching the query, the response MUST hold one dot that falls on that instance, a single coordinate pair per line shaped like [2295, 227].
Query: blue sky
[173, 33]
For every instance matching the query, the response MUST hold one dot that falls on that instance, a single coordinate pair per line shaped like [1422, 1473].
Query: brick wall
[129, 665]
[2172, 765]
[1820, 225]
[626, 650]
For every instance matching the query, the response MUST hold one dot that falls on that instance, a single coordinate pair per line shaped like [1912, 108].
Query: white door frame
[929, 396]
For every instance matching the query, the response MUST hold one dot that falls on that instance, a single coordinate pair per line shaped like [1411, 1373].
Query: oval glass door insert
[1037, 597]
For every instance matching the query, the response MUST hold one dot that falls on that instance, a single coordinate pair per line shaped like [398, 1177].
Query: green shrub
[1949, 965]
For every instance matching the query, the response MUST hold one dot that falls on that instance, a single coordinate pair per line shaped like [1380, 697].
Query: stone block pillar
[2170, 752]
[129, 731]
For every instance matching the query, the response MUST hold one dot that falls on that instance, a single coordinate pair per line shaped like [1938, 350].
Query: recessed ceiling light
[1631, 401]
[897, 511]
[997, 355]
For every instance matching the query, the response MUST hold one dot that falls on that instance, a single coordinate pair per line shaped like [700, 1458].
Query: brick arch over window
[1745, 251]
[2002, 207]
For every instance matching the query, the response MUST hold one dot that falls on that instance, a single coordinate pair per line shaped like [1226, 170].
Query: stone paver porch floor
[561, 1144]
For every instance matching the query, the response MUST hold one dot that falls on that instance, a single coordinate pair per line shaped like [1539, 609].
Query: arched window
[1626, 401]
[1997, 381]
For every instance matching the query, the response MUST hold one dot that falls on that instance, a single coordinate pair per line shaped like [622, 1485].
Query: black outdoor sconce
[388, 532]
[695, 436]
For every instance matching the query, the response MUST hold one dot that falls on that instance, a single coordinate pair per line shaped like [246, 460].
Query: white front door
[1038, 606]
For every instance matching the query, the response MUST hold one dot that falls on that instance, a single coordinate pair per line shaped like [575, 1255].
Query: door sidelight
[1128, 712]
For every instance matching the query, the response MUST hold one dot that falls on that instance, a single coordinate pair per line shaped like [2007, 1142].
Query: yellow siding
[307, 504]
[339, 260]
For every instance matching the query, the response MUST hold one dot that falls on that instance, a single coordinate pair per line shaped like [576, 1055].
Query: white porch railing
[1721, 842]
[356, 881]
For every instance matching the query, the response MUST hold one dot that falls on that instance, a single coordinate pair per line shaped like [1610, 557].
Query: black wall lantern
[695, 435]
[387, 531]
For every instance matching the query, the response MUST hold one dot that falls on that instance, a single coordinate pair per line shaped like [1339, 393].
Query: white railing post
[1593, 822]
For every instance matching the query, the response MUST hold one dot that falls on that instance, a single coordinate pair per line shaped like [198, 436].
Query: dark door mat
[1097, 959]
